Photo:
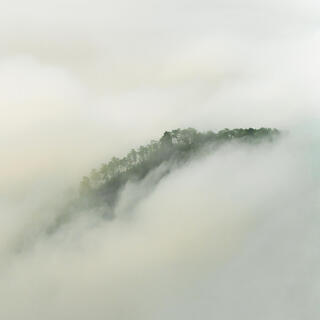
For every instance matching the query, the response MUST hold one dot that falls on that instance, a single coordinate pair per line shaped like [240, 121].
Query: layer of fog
[232, 235]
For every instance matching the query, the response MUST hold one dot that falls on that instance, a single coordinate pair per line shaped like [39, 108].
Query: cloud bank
[231, 235]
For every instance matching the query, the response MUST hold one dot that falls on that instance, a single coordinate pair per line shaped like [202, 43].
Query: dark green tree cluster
[102, 185]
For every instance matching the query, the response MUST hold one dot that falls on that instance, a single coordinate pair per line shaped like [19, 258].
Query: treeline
[103, 184]
[100, 190]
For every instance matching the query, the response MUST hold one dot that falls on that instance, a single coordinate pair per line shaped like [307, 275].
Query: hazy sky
[76, 75]
[81, 81]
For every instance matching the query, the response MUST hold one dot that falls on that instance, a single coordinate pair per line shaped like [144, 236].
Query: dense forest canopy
[102, 186]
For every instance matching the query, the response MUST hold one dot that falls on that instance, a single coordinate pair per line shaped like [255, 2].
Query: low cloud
[233, 234]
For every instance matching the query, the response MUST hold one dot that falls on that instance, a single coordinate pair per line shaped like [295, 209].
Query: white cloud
[82, 81]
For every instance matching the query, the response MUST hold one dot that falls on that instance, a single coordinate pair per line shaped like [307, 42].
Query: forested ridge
[102, 186]
[100, 191]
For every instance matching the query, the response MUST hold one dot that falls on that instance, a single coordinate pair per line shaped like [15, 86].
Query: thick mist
[233, 234]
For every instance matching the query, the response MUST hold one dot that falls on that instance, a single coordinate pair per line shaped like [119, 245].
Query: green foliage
[99, 191]
[102, 185]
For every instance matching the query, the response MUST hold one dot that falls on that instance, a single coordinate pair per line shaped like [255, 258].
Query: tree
[95, 178]
[132, 157]
[166, 139]
[85, 186]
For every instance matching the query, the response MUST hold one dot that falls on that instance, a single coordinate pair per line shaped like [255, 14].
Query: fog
[233, 234]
